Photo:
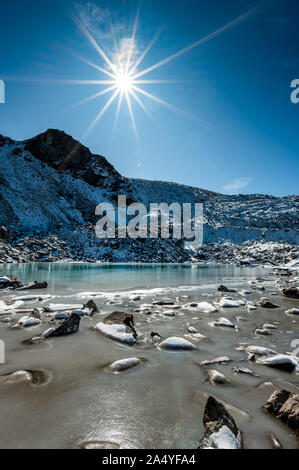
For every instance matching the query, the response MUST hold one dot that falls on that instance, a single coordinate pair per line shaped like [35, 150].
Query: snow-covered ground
[51, 184]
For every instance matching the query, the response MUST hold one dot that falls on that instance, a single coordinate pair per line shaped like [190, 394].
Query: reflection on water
[160, 403]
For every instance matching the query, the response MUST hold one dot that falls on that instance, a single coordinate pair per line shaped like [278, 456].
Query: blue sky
[235, 131]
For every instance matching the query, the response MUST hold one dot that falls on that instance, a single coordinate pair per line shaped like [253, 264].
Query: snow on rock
[176, 343]
[195, 337]
[124, 364]
[28, 321]
[117, 332]
[259, 350]
[292, 311]
[216, 377]
[204, 307]
[56, 307]
[7, 308]
[281, 361]
[222, 321]
[169, 313]
[226, 302]
[16, 378]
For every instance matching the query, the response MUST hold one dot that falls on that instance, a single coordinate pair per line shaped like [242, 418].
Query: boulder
[176, 343]
[221, 431]
[124, 364]
[291, 292]
[69, 326]
[4, 233]
[284, 406]
[216, 377]
[118, 326]
[217, 360]
[10, 281]
[34, 285]
[225, 289]
[280, 361]
[267, 304]
[92, 307]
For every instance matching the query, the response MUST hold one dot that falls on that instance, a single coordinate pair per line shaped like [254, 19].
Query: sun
[124, 82]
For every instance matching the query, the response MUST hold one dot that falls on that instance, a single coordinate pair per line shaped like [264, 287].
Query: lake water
[160, 403]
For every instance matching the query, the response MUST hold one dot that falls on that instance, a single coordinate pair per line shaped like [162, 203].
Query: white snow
[224, 439]
[280, 359]
[176, 343]
[259, 350]
[124, 364]
[57, 307]
[222, 321]
[226, 302]
[116, 331]
[217, 377]
[28, 321]
[292, 311]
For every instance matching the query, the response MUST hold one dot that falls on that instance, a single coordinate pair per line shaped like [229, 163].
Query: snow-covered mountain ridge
[51, 184]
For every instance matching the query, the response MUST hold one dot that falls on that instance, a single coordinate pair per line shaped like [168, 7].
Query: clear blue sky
[238, 131]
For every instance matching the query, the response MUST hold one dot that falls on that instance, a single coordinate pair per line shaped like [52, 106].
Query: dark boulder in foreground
[221, 431]
[291, 292]
[284, 406]
[10, 281]
[70, 325]
[34, 285]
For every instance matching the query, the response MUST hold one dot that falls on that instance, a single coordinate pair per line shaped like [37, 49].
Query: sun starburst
[124, 80]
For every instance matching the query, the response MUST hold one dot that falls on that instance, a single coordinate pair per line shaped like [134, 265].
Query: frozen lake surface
[159, 402]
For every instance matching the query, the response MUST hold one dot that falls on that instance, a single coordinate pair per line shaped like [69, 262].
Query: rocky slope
[51, 184]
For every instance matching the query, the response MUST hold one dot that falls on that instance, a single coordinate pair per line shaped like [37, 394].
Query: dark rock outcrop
[62, 152]
[225, 289]
[92, 307]
[291, 292]
[70, 325]
[34, 285]
[35, 313]
[284, 406]
[10, 281]
[4, 233]
[267, 304]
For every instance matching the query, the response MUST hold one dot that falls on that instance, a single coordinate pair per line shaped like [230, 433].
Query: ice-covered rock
[280, 361]
[225, 302]
[221, 431]
[222, 321]
[124, 364]
[176, 343]
[118, 326]
[216, 377]
[259, 350]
